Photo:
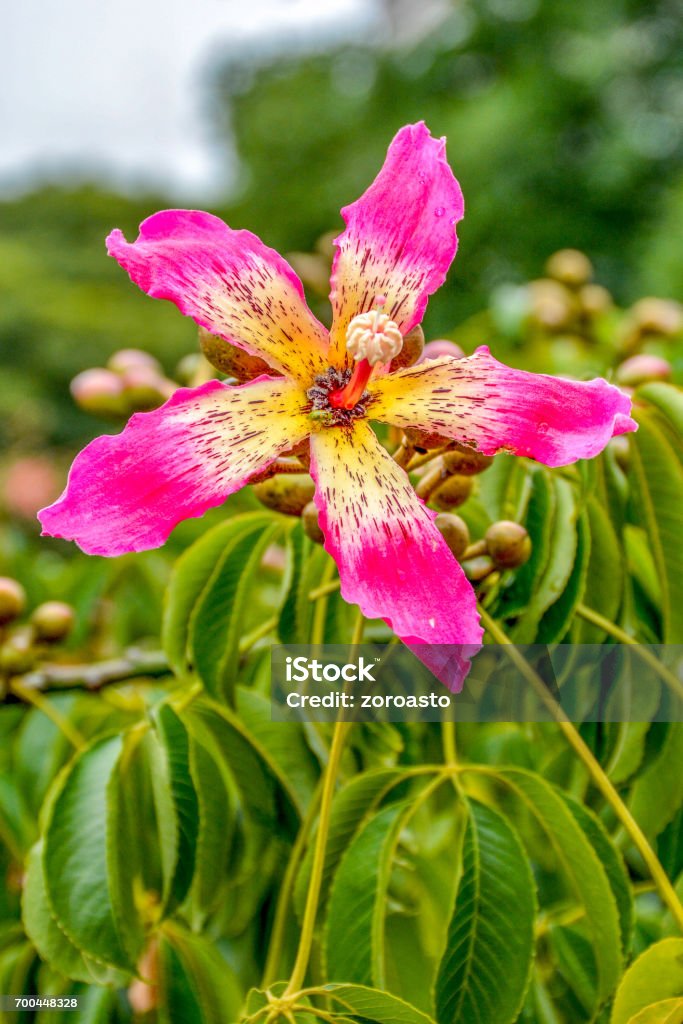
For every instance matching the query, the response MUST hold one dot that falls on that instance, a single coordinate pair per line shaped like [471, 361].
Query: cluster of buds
[22, 643]
[448, 479]
[132, 381]
[567, 300]
[505, 545]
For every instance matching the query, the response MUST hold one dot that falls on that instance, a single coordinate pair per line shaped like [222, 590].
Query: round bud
[439, 348]
[454, 491]
[508, 544]
[187, 368]
[325, 245]
[53, 621]
[133, 359]
[144, 389]
[288, 493]
[12, 599]
[658, 316]
[413, 345]
[595, 300]
[313, 269]
[454, 531]
[552, 306]
[309, 520]
[99, 392]
[570, 267]
[17, 654]
[641, 368]
[232, 361]
[424, 440]
[466, 461]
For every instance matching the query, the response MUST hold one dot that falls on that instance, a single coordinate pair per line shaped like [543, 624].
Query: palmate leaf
[487, 963]
[656, 975]
[579, 861]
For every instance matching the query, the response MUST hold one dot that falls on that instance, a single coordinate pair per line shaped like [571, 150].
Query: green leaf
[177, 805]
[604, 581]
[667, 399]
[657, 483]
[612, 862]
[196, 984]
[354, 930]
[539, 524]
[370, 1004]
[77, 859]
[52, 944]
[657, 793]
[351, 805]
[216, 828]
[557, 620]
[504, 489]
[582, 867]
[657, 974]
[665, 1011]
[575, 962]
[217, 623]
[191, 576]
[487, 962]
[307, 566]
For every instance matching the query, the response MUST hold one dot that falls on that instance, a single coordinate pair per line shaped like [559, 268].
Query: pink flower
[127, 492]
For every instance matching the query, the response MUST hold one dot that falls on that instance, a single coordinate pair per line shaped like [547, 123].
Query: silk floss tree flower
[127, 492]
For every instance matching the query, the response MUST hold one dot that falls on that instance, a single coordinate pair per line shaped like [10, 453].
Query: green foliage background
[163, 829]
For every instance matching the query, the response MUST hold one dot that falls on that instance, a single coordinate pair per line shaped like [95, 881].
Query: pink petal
[126, 492]
[482, 402]
[229, 282]
[392, 560]
[400, 236]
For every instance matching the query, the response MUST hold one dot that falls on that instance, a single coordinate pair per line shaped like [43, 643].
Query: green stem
[311, 910]
[448, 741]
[284, 896]
[600, 779]
[643, 652]
[324, 590]
[41, 703]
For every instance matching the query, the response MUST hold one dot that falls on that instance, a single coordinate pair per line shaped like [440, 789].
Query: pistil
[350, 395]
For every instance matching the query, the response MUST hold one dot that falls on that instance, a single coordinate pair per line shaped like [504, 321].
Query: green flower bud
[553, 307]
[99, 392]
[594, 300]
[454, 531]
[53, 621]
[309, 520]
[508, 544]
[570, 267]
[641, 368]
[288, 493]
[144, 389]
[12, 599]
[230, 360]
[187, 368]
[466, 461]
[132, 359]
[413, 345]
[454, 491]
[479, 568]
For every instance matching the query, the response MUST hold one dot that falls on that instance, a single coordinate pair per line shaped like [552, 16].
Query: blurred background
[564, 122]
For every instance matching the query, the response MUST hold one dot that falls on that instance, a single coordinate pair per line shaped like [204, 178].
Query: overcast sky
[116, 85]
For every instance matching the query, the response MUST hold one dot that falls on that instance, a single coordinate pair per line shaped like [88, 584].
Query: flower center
[371, 338]
[324, 402]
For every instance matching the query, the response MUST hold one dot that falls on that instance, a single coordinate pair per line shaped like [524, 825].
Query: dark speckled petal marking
[126, 492]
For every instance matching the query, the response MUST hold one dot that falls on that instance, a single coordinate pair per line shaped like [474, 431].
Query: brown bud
[232, 361]
[478, 568]
[425, 440]
[466, 461]
[454, 491]
[552, 305]
[287, 494]
[413, 345]
[133, 359]
[17, 654]
[641, 368]
[570, 267]
[53, 621]
[658, 316]
[309, 520]
[508, 544]
[99, 392]
[441, 347]
[454, 531]
[12, 599]
[594, 300]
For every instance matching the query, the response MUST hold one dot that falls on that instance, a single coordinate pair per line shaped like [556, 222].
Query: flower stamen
[372, 339]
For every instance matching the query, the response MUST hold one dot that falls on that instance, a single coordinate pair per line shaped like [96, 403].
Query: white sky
[115, 86]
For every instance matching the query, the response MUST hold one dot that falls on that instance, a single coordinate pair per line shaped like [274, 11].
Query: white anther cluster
[373, 336]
